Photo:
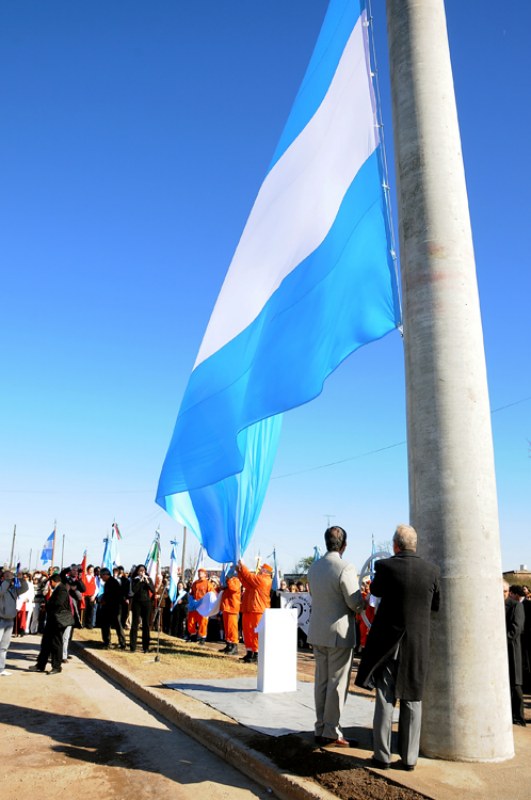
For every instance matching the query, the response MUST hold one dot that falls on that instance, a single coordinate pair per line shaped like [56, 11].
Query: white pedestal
[277, 651]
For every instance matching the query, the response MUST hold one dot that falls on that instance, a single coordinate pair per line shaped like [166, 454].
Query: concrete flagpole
[453, 504]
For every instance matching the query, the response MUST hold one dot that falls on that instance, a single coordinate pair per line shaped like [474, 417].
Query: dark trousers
[51, 647]
[110, 618]
[124, 614]
[178, 620]
[517, 703]
[140, 611]
[88, 613]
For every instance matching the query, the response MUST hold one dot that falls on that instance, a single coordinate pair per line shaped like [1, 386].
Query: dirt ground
[79, 729]
[338, 773]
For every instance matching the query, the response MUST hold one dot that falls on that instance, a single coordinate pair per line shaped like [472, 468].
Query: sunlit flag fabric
[174, 574]
[199, 564]
[47, 550]
[109, 552]
[312, 279]
[153, 559]
[275, 586]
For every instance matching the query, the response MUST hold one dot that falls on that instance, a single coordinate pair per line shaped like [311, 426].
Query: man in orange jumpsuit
[197, 624]
[230, 606]
[256, 598]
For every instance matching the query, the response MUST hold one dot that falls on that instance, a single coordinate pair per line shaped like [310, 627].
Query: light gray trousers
[409, 720]
[332, 675]
[6, 631]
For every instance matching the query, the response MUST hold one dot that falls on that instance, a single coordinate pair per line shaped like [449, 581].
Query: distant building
[521, 576]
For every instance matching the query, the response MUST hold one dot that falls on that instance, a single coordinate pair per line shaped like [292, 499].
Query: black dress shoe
[377, 764]
[54, 671]
[35, 668]
[404, 766]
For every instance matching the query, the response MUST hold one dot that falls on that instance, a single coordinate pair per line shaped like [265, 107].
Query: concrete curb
[253, 764]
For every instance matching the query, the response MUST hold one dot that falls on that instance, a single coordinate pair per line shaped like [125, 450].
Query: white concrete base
[277, 650]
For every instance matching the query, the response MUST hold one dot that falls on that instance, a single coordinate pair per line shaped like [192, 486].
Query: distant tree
[191, 561]
[302, 566]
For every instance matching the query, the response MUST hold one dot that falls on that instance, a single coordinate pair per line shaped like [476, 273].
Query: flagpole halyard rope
[383, 154]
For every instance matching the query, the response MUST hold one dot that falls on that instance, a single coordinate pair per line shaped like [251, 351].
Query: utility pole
[11, 562]
[183, 556]
[53, 541]
[453, 504]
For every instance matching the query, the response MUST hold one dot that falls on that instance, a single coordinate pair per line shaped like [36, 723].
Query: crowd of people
[343, 621]
[55, 602]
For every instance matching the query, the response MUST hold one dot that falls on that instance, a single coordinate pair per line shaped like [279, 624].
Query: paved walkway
[78, 734]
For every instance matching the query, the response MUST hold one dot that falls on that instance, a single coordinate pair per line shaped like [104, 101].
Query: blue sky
[134, 139]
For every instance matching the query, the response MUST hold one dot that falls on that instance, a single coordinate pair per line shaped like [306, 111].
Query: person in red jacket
[230, 607]
[196, 624]
[256, 598]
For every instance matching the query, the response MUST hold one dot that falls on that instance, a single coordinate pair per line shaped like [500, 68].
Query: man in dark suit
[515, 623]
[58, 617]
[111, 609]
[395, 659]
[332, 633]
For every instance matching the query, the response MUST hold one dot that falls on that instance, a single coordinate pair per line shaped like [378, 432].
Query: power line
[273, 478]
[379, 449]
[341, 461]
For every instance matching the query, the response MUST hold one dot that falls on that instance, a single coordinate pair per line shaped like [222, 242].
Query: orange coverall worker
[230, 606]
[256, 598]
[195, 621]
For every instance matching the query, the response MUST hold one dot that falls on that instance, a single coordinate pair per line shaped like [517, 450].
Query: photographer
[58, 618]
[9, 592]
[142, 590]
[75, 586]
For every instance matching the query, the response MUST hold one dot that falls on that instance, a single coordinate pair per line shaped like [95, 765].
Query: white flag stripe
[299, 199]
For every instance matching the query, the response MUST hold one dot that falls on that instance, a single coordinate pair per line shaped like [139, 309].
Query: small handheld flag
[153, 559]
[174, 574]
[48, 548]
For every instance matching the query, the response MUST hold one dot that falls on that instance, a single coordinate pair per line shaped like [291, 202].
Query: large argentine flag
[312, 279]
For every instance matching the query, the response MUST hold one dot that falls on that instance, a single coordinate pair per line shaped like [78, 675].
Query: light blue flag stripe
[311, 281]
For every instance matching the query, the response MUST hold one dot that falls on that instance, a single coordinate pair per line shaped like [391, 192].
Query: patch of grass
[177, 658]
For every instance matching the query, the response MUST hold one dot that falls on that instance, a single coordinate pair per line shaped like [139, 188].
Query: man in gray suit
[332, 633]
